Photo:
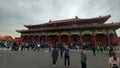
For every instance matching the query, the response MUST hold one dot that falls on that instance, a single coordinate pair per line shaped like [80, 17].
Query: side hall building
[76, 30]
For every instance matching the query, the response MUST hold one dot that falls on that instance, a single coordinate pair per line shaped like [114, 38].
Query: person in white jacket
[113, 60]
[38, 46]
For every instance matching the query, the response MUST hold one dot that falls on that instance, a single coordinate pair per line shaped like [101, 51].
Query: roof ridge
[68, 20]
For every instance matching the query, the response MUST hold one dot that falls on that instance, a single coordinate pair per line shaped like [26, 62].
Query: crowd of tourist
[55, 49]
[6, 44]
[113, 60]
[15, 46]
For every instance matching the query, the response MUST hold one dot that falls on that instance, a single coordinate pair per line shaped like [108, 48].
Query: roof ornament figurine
[76, 17]
[50, 21]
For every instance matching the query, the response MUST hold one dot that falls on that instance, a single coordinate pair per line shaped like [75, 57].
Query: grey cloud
[16, 13]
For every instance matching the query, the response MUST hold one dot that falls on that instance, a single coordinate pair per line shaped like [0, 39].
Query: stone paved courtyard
[33, 59]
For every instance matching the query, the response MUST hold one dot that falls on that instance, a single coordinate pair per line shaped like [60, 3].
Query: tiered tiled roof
[115, 26]
[7, 38]
[97, 22]
[100, 19]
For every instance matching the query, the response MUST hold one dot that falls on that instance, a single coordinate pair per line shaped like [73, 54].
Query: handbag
[115, 66]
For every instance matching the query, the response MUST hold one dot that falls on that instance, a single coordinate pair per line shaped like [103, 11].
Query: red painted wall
[17, 39]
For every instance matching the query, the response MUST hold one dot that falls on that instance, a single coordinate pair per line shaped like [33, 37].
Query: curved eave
[115, 26]
[100, 19]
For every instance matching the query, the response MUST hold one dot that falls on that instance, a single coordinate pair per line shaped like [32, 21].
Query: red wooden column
[108, 38]
[116, 39]
[39, 38]
[29, 39]
[21, 39]
[94, 39]
[32, 38]
[26, 39]
[59, 38]
[80, 38]
[69, 38]
[46, 39]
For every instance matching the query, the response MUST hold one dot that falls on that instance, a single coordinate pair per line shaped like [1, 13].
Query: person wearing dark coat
[110, 51]
[61, 50]
[94, 50]
[14, 46]
[54, 56]
[83, 59]
[66, 56]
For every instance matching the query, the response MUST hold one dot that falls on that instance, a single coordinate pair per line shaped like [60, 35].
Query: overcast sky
[16, 13]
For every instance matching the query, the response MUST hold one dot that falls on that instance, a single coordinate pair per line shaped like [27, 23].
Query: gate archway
[87, 39]
[112, 39]
[43, 39]
[74, 38]
[52, 39]
[64, 39]
[101, 39]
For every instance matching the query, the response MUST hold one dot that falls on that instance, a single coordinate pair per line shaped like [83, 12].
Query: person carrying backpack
[113, 60]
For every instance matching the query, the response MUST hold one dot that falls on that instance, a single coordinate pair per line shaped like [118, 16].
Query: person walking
[66, 56]
[50, 47]
[83, 59]
[22, 46]
[94, 50]
[61, 50]
[54, 56]
[110, 51]
[35, 46]
[38, 46]
[113, 60]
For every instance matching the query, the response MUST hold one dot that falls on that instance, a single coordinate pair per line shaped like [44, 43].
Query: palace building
[76, 30]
